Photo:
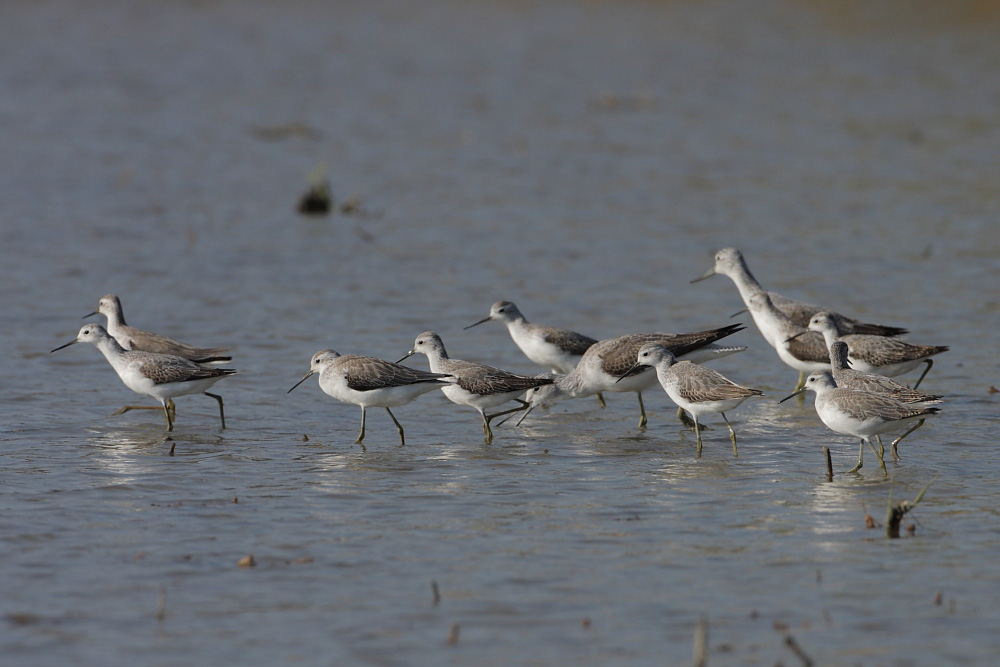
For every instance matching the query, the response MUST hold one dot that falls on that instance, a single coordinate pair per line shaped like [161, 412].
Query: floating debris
[351, 205]
[246, 561]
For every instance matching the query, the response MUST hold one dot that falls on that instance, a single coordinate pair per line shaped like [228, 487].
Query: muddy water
[581, 159]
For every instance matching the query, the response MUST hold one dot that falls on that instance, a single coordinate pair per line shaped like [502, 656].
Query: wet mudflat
[583, 160]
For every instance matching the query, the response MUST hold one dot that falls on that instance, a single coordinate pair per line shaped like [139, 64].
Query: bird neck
[111, 350]
[744, 281]
[572, 383]
[116, 318]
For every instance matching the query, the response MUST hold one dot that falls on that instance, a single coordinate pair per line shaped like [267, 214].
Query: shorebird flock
[847, 363]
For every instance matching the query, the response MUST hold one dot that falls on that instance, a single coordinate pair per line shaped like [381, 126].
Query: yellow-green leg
[892, 446]
[361, 435]
[732, 434]
[642, 411]
[222, 413]
[861, 458]
[697, 436]
[929, 362]
[126, 408]
[166, 413]
[399, 427]
[881, 461]
[488, 418]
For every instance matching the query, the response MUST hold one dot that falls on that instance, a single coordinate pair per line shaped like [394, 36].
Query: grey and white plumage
[861, 414]
[476, 385]
[848, 378]
[797, 347]
[609, 364]
[875, 354]
[550, 347]
[699, 390]
[161, 376]
[131, 338]
[370, 382]
[730, 262]
[554, 348]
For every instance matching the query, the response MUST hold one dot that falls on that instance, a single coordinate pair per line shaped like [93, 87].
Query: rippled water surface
[583, 159]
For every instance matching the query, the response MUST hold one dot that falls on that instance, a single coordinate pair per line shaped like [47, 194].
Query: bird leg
[861, 455]
[399, 427]
[166, 413]
[488, 418]
[732, 434]
[892, 447]
[688, 422]
[881, 462]
[801, 383]
[929, 362]
[600, 400]
[222, 413]
[526, 406]
[642, 411]
[697, 435]
[361, 436]
[881, 448]
[487, 431]
[126, 408]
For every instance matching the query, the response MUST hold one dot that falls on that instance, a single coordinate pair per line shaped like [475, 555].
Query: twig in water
[896, 511]
[797, 650]
[701, 643]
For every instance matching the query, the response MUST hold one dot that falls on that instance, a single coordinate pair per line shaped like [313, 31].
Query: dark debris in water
[317, 200]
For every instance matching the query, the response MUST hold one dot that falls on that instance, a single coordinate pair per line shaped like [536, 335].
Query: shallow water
[581, 159]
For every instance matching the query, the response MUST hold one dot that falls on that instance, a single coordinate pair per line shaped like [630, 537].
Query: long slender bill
[62, 346]
[304, 378]
[707, 274]
[485, 319]
[792, 395]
